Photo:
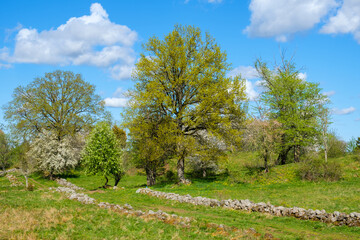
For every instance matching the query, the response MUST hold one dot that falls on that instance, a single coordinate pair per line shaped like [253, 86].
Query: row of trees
[183, 106]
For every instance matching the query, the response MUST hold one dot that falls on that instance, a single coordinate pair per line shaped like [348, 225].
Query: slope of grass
[41, 214]
[44, 215]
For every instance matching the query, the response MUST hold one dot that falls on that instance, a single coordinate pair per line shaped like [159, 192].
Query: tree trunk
[281, 160]
[26, 182]
[117, 178]
[296, 153]
[106, 182]
[266, 159]
[325, 154]
[150, 176]
[204, 173]
[181, 169]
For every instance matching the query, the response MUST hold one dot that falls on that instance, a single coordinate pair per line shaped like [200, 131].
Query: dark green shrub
[315, 169]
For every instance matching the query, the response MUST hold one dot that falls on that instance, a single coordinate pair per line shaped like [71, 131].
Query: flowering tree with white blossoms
[53, 155]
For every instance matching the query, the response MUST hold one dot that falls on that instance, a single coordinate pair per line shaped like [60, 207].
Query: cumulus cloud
[117, 100]
[250, 91]
[343, 111]
[247, 72]
[87, 40]
[330, 93]
[346, 20]
[282, 18]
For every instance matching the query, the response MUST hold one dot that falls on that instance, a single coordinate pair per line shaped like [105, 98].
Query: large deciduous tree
[183, 80]
[102, 153]
[294, 103]
[61, 101]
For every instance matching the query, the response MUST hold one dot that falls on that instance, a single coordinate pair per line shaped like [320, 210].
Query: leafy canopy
[292, 101]
[61, 101]
[182, 80]
[102, 152]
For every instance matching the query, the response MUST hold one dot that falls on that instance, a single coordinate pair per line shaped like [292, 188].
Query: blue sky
[102, 41]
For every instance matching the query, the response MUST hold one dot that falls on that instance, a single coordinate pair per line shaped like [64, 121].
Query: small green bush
[315, 169]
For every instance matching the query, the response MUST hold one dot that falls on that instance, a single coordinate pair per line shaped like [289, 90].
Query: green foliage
[60, 101]
[293, 102]
[149, 150]
[5, 151]
[351, 145]
[102, 153]
[337, 147]
[182, 80]
[120, 135]
[316, 169]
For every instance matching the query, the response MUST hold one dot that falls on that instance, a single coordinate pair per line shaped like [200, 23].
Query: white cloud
[119, 92]
[247, 72]
[302, 76]
[282, 18]
[346, 20]
[250, 91]
[116, 102]
[343, 111]
[120, 71]
[5, 65]
[88, 40]
[330, 93]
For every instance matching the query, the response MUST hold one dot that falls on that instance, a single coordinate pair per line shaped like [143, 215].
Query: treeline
[183, 107]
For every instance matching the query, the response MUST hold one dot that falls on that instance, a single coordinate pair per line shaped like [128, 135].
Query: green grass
[41, 214]
[72, 220]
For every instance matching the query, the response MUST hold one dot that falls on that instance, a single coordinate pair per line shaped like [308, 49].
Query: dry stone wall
[337, 218]
[70, 189]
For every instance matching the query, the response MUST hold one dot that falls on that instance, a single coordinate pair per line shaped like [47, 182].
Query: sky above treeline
[103, 40]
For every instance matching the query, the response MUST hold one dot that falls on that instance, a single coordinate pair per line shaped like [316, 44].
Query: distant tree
[351, 145]
[264, 136]
[26, 163]
[294, 103]
[209, 152]
[357, 144]
[53, 156]
[61, 102]
[102, 153]
[120, 135]
[324, 122]
[182, 79]
[5, 151]
[337, 147]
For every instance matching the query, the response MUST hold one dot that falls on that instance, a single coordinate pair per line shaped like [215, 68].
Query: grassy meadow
[42, 214]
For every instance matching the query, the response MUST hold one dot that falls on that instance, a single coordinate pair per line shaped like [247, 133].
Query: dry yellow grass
[26, 221]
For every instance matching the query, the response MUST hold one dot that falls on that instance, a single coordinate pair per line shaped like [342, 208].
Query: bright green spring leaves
[102, 153]
[182, 88]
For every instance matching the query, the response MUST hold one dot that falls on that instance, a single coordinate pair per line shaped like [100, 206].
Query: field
[42, 214]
